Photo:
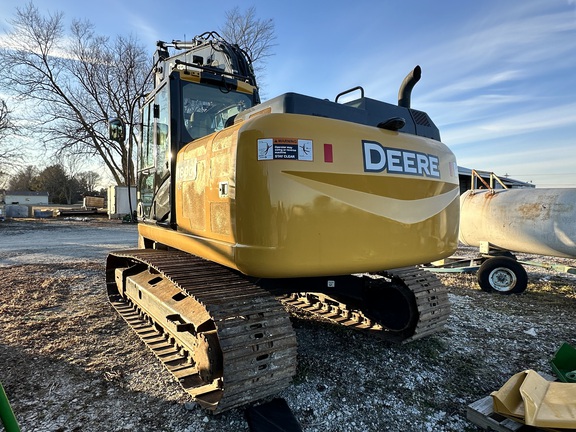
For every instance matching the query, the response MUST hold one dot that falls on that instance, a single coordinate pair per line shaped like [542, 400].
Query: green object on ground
[564, 363]
[6, 414]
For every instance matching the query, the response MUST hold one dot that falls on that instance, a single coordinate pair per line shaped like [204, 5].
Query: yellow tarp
[531, 399]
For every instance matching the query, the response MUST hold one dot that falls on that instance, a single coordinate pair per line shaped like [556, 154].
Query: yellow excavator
[247, 209]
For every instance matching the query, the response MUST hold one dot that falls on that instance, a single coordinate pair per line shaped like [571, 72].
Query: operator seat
[200, 124]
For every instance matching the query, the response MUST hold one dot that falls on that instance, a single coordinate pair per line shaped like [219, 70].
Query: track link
[432, 307]
[227, 341]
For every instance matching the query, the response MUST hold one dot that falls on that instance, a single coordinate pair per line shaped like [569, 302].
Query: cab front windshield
[207, 108]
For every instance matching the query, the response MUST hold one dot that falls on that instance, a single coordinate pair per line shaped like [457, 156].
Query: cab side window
[146, 163]
[154, 159]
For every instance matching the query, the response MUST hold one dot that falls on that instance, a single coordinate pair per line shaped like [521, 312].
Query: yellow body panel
[287, 195]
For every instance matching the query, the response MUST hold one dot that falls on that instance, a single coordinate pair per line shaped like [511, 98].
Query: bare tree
[61, 187]
[9, 154]
[77, 81]
[255, 36]
[24, 179]
[4, 179]
[88, 181]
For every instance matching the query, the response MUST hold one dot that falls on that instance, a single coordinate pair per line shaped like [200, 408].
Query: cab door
[154, 171]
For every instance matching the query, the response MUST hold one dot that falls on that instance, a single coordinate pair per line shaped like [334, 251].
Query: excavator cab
[200, 96]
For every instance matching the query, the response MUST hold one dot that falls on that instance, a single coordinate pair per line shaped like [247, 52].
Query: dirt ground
[69, 363]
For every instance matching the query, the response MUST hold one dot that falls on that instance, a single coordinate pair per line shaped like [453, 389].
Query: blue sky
[498, 76]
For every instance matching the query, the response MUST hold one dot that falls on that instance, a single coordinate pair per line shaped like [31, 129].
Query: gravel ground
[69, 363]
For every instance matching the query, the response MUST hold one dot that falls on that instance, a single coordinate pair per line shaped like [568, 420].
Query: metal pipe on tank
[533, 221]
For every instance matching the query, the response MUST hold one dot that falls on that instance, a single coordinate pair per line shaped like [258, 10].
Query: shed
[26, 198]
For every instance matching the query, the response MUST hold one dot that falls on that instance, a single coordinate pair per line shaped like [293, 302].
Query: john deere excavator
[246, 207]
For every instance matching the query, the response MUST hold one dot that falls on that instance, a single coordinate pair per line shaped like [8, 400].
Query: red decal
[328, 157]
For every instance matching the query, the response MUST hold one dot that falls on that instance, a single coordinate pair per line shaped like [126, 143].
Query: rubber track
[431, 298]
[258, 360]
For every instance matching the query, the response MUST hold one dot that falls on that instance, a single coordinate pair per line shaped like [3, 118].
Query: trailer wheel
[502, 275]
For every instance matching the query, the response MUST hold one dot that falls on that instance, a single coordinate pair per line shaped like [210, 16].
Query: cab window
[207, 108]
[154, 158]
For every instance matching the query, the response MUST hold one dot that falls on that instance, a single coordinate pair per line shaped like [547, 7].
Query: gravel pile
[69, 363]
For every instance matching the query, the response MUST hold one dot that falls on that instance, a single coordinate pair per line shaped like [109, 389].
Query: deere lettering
[378, 158]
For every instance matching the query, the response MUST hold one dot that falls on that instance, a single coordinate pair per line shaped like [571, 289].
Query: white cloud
[508, 125]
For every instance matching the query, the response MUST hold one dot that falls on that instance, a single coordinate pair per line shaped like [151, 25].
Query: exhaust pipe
[407, 85]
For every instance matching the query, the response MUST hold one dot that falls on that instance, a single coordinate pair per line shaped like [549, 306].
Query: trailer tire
[502, 275]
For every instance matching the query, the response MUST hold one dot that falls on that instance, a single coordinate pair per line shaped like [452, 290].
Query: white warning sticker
[285, 148]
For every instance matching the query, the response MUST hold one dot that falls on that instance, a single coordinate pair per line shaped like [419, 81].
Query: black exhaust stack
[407, 85]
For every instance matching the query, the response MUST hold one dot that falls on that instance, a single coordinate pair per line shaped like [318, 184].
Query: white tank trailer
[532, 221]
